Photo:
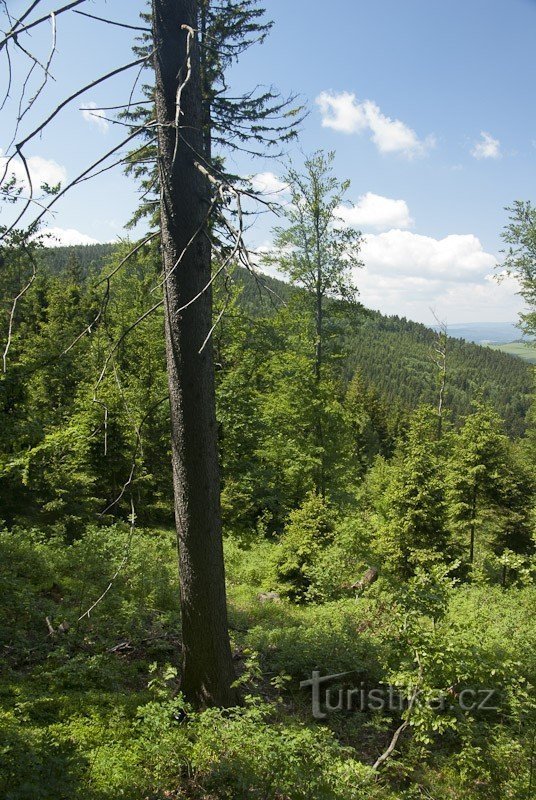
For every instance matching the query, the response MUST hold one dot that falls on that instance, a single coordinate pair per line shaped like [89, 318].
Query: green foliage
[344, 560]
[488, 486]
[309, 530]
[520, 258]
[94, 712]
[332, 637]
[242, 755]
[68, 447]
[42, 577]
[416, 532]
[90, 703]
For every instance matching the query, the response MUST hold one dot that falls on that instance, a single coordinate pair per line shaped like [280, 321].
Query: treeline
[75, 444]
[392, 353]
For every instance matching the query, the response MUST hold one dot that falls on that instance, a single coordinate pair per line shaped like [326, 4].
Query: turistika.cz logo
[327, 698]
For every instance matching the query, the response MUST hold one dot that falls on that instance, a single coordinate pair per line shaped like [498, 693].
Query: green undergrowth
[92, 710]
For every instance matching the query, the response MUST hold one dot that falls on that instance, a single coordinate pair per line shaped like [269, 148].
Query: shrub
[310, 528]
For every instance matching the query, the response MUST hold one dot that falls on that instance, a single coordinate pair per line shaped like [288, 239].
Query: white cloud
[374, 211]
[60, 237]
[480, 301]
[456, 258]
[486, 147]
[407, 274]
[343, 112]
[268, 183]
[455, 303]
[42, 170]
[95, 115]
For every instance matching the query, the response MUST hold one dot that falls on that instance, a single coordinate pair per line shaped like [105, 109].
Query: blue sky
[428, 105]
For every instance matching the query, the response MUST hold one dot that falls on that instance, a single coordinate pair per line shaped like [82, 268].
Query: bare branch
[46, 75]
[91, 85]
[12, 314]
[120, 567]
[16, 30]
[111, 22]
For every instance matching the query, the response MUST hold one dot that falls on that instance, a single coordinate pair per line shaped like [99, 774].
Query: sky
[428, 106]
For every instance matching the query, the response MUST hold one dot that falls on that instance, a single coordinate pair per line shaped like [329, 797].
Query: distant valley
[503, 336]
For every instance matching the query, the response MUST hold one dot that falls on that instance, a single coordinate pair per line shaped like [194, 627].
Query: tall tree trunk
[207, 663]
[319, 355]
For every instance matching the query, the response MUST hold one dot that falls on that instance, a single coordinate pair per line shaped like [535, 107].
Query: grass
[525, 351]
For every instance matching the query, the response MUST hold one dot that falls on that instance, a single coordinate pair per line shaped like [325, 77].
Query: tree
[316, 251]
[309, 531]
[486, 483]
[417, 534]
[193, 72]
[185, 196]
[520, 258]
[368, 422]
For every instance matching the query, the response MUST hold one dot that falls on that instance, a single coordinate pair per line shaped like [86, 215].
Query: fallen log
[370, 577]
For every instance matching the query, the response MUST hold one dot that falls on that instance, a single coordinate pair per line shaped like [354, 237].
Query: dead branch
[400, 730]
[112, 22]
[120, 567]
[12, 314]
[16, 30]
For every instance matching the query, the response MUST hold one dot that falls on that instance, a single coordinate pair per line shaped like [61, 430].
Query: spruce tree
[317, 252]
[417, 533]
[257, 122]
[487, 487]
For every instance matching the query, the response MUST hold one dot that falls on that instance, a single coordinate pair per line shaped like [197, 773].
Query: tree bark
[319, 354]
[207, 672]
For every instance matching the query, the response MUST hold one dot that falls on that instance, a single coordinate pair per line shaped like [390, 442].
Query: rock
[269, 597]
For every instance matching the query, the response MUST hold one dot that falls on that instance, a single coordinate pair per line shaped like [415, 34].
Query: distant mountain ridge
[485, 332]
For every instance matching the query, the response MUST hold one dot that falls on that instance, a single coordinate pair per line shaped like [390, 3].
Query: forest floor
[89, 702]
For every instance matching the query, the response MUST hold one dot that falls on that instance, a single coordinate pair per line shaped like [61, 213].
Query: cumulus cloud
[407, 274]
[95, 115]
[377, 212]
[458, 257]
[479, 301]
[344, 113]
[60, 237]
[486, 147]
[268, 183]
[42, 170]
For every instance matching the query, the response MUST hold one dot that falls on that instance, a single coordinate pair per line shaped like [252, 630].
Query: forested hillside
[393, 354]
